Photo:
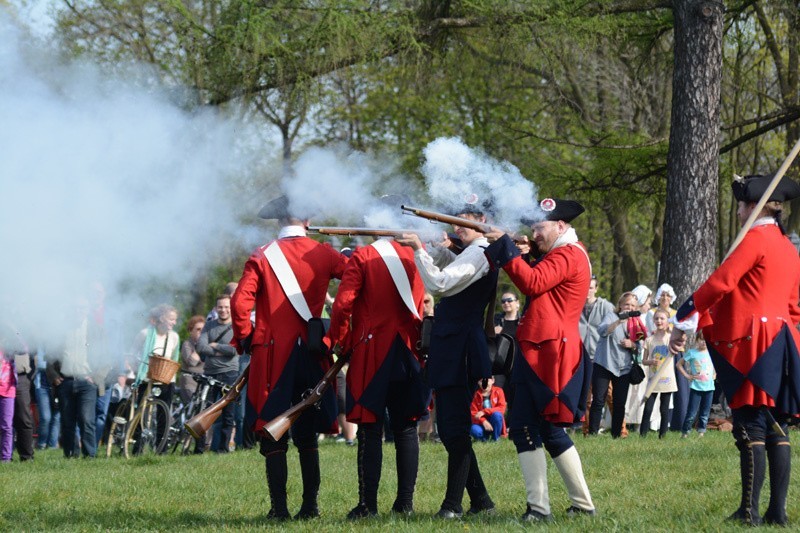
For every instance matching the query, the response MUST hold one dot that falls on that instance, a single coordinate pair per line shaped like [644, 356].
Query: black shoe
[278, 515]
[361, 511]
[447, 514]
[307, 513]
[574, 511]
[406, 509]
[774, 520]
[485, 508]
[744, 518]
[532, 515]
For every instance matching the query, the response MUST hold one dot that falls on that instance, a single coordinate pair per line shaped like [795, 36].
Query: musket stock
[199, 424]
[276, 428]
[481, 227]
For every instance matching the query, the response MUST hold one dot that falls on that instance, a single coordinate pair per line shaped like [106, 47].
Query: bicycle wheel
[177, 432]
[133, 434]
[151, 433]
[118, 428]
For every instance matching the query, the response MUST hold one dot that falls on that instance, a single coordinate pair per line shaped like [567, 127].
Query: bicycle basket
[161, 369]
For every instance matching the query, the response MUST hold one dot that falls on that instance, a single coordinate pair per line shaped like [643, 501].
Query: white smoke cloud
[340, 186]
[105, 180]
[456, 174]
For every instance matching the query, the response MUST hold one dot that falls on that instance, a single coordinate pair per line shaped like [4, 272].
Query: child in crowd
[8, 391]
[656, 355]
[696, 366]
[488, 409]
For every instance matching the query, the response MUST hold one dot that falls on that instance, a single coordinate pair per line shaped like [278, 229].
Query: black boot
[480, 502]
[457, 472]
[406, 444]
[309, 469]
[780, 470]
[370, 460]
[276, 482]
[752, 465]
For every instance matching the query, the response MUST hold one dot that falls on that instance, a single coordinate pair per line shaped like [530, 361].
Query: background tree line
[578, 95]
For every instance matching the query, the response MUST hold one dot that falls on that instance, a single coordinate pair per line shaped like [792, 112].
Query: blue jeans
[223, 427]
[49, 413]
[100, 414]
[496, 421]
[78, 399]
[244, 360]
[699, 405]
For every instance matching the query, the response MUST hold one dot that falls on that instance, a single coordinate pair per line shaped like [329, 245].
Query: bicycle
[140, 423]
[179, 437]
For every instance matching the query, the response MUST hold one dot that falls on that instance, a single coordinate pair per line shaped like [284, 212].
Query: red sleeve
[476, 409]
[541, 277]
[794, 308]
[339, 262]
[243, 300]
[349, 289]
[726, 278]
[501, 401]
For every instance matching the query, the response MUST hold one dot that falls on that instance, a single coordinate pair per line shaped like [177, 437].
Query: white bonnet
[666, 288]
[641, 292]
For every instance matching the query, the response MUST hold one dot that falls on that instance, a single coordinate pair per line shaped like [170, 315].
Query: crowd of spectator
[74, 390]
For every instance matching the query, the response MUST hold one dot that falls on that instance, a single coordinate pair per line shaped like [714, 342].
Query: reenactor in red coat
[286, 281]
[748, 310]
[378, 309]
[551, 378]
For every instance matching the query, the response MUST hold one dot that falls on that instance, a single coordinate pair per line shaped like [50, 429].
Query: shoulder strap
[288, 281]
[398, 273]
[579, 247]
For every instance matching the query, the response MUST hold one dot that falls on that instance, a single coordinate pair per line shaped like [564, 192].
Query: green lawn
[637, 484]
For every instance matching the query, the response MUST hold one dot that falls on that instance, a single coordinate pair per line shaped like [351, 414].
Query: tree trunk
[690, 226]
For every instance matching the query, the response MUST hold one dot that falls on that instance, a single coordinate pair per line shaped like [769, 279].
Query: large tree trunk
[690, 226]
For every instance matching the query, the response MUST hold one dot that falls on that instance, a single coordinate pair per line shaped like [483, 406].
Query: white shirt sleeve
[465, 269]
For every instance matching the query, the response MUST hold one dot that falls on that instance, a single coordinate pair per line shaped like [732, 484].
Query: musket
[481, 227]
[275, 429]
[200, 423]
[354, 231]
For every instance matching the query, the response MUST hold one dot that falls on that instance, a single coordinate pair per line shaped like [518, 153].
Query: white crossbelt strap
[398, 273]
[579, 247]
[283, 271]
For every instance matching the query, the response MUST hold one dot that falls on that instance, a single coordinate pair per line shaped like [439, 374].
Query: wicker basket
[161, 369]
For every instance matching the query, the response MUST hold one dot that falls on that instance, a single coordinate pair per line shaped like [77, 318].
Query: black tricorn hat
[752, 188]
[472, 204]
[395, 200]
[275, 208]
[556, 209]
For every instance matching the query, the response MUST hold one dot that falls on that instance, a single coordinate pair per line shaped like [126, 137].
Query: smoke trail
[457, 174]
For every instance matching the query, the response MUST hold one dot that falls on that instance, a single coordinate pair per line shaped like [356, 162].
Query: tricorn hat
[752, 188]
[275, 208]
[555, 209]
[472, 204]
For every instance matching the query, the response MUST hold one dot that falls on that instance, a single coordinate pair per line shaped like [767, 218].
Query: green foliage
[575, 94]
[637, 485]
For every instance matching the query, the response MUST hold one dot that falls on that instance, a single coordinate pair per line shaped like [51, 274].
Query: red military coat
[278, 326]
[368, 303]
[744, 305]
[548, 332]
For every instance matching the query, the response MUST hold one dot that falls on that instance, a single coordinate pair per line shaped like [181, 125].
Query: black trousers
[601, 377]
[23, 418]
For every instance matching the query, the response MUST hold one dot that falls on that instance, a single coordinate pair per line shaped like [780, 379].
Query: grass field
[637, 485]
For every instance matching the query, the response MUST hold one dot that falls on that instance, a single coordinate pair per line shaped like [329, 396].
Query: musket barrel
[459, 221]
